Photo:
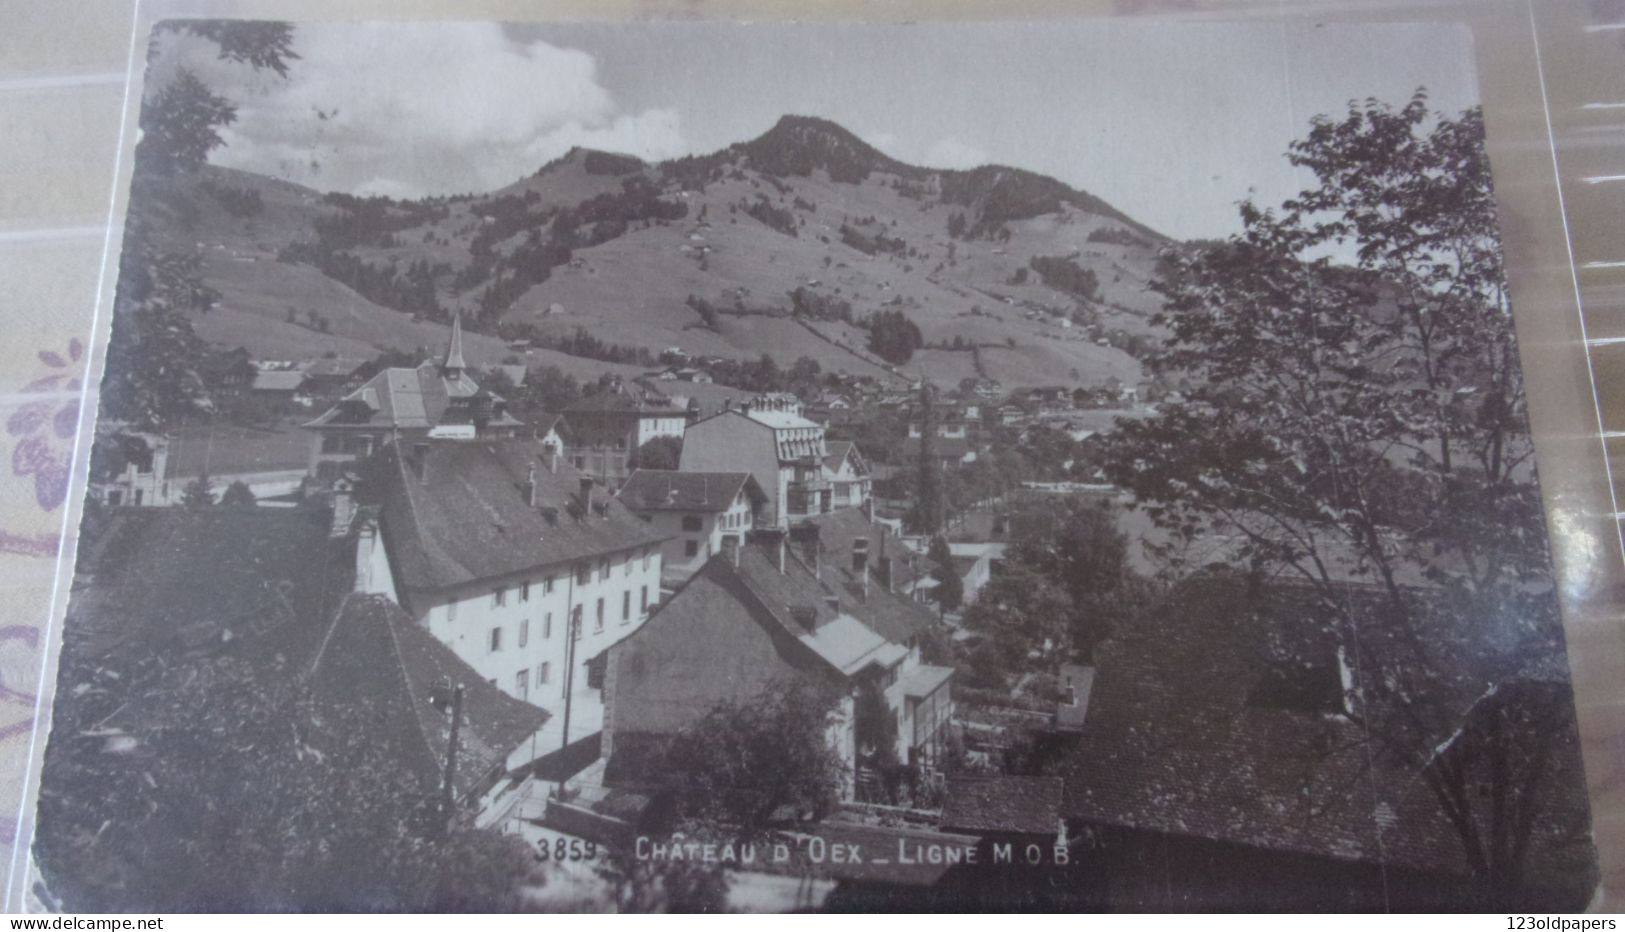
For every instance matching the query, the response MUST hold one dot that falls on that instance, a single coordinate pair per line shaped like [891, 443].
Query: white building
[500, 550]
[698, 512]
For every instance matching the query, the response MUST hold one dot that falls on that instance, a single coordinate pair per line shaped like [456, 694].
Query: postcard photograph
[709, 466]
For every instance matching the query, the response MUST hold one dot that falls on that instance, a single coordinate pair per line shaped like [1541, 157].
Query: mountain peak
[798, 144]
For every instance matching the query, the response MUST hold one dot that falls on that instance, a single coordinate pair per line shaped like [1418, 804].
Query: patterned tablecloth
[61, 96]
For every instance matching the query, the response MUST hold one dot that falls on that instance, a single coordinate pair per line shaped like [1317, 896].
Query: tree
[153, 379]
[238, 495]
[658, 453]
[893, 337]
[199, 493]
[749, 760]
[277, 817]
[950, 591]
[1356, 414]
[925, 515]
[181, 121]
[1081, 550]
[1023, 612]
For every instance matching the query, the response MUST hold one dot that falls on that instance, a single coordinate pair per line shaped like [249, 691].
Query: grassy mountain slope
[700, 253]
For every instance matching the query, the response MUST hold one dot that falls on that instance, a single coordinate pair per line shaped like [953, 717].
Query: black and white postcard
[708, 466]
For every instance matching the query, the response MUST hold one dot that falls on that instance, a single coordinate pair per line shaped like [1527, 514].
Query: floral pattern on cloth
[42, 426]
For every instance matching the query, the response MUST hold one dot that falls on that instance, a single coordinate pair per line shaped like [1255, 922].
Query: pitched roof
[707, 398]
[278, 380]
[454, 347]
[836, 453]
[1184, 735]
[731, 631]
[998, 803]
[780, 420]
[839, 530]
[672, 490]
[457, 511]
[625, 400]
[375, 657]
[406, 399]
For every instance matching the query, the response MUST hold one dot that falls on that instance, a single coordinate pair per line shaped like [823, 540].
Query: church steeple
[453, 367]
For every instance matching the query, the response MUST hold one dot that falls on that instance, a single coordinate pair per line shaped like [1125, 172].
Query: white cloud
[419, 109]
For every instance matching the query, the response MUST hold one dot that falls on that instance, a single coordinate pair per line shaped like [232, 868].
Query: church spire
[453, 366]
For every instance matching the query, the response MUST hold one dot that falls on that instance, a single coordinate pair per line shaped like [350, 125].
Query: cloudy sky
[1172, 123]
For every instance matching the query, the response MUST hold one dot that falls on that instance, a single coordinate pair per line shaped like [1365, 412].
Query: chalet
[761, 614]
[331, 376]
[514, 560]
[606, 428]
[441, 401]
[277, 383]
[232, 371]
[699, 512]
[847, 474]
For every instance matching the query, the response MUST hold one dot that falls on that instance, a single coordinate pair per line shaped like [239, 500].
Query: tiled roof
[731, 631]
[672, 490]
[375, 657]
[406, 399]
[838, 530]
[925, 679]
[626, 400]
[836, 453]
[1176, 739]
[1002, 803]
[708, 398]
[457, 511]
[780, 420]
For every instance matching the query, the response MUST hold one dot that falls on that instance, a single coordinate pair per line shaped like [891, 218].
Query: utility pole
[570, 671]
[448, 798]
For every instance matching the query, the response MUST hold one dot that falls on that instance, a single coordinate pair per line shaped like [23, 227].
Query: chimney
[834, 603]
[343, 510]
[805, 615]
[869, 509]
[730, 549]
[530, 486]
[586, 495]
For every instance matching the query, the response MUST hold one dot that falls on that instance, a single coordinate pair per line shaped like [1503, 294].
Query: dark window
[496, 639]
[598, 619]
[692, 523]
[691, 547]
[626, 605]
